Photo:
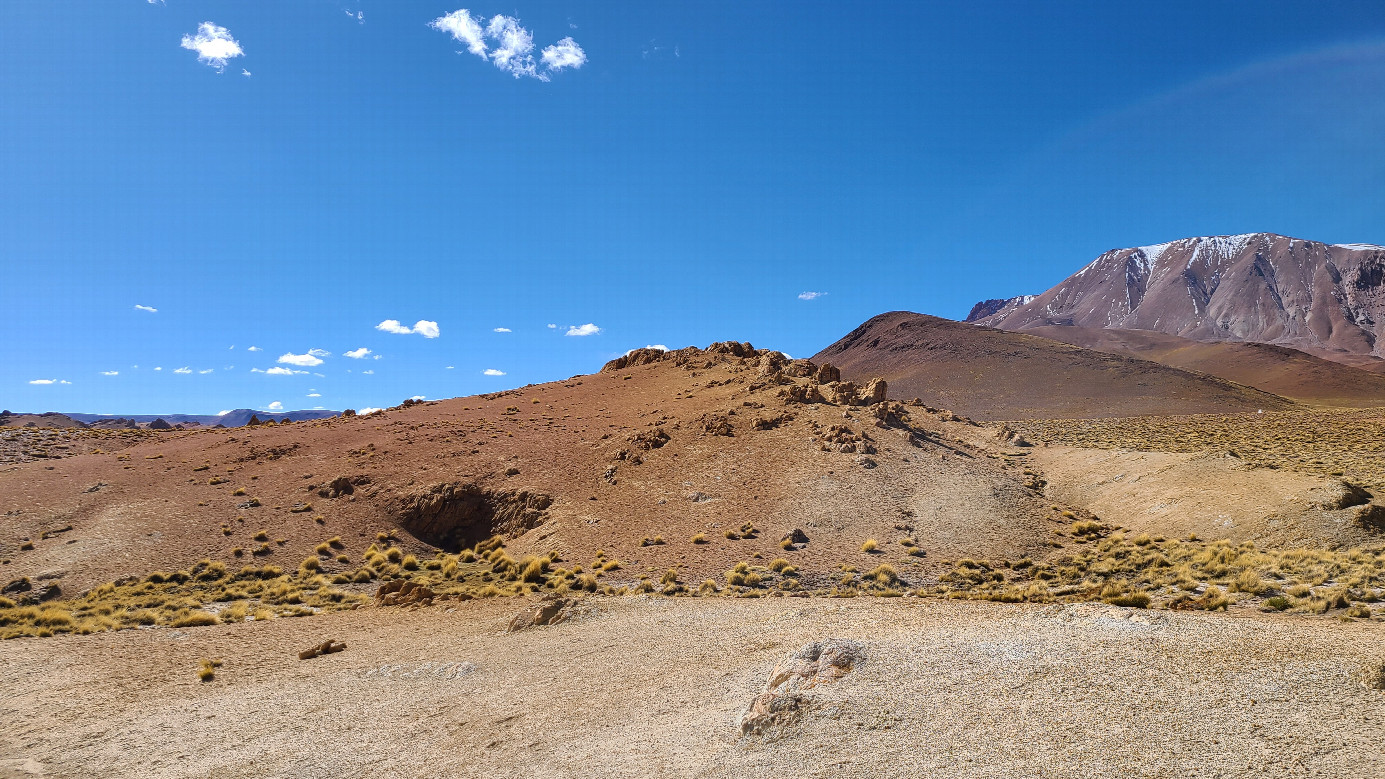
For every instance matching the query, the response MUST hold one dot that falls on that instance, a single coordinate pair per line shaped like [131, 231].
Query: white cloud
[587, 329]
[223, 413]
[319, 353]
[375, 357]
[214, 45]
[423, 327]
[564, 54]
[513, 50]
[183, 370]
[314, 394]
[367, 411]
[246, 73]
[150, 309]
[492, 372]
[810, 295]
[503, 330]
[450, 367]
[50, 381]
[552, 327]
[255, 349]
[419, 397]
[275, 406]
[280, 372]
[356, 354]
[158, 367]
[110, 373]
[204, 373]
[304, 360]
[660, 347]
[368, 373]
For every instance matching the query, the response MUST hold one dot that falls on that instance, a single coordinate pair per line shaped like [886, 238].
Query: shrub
[735, 578]
[263, 535]
[410, 563]
[671, 577]
[869, 546]
[206, 671]
[1277, 603]
[786, 544]
[883, 574]
[778, 564]
[239, 491]
[309, 565]
[1137, 600]
[732, 535]
[700, 538]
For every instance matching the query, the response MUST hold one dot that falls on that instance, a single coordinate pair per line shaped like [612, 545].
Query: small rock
[325, 648]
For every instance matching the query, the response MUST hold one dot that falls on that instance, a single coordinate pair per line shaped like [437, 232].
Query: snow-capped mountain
[1328, 299]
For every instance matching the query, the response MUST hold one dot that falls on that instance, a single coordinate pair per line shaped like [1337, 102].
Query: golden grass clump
[870, 545]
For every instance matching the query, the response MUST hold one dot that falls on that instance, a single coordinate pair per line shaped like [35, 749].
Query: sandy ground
[646, 686]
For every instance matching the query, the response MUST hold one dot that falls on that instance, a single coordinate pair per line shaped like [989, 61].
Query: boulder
[325, 648]
[1337, 494]
[549, 611]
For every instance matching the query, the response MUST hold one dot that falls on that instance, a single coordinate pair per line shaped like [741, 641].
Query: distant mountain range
[236, 418]
[1326, 300]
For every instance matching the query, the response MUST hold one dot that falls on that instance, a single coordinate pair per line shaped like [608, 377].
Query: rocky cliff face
[1257, 287]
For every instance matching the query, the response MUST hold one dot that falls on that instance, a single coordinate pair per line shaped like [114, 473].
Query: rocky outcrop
[403, 593]
[783, 701]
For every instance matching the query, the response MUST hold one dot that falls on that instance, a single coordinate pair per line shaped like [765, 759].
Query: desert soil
[648, 686]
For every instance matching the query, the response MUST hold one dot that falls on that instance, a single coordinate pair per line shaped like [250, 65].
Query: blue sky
[685, 179]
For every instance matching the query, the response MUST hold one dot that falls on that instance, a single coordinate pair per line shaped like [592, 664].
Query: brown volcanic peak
[1279, 370]
[633, 461]
[994, 374]
[1259, 287]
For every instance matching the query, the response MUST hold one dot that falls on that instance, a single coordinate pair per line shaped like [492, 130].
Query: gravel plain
[647, 686]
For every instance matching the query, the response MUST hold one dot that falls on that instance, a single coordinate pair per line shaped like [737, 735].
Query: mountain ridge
[1325, 299]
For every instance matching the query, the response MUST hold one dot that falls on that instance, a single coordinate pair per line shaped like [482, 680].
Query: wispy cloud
[356, 354]
[246, 73]
[810, 295]
[368, 373]
[150, 309]
[312, 358]
[424, 327]
[275, 406]
[279, 372]
[214, 45]
[254, 349]
[110, 373]
[183, 370]
[552, 327]
[587, 329]
[49, 381]
[492, 372]
[512, 46]
[314, 394]
[503, 330]
[205, 372]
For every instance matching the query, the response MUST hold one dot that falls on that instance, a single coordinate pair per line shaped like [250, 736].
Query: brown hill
[1258, 287]
[993, 374]
[634, 462]
[1278, 370]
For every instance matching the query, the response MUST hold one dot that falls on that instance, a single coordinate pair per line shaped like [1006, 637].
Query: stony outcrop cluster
[821, 662]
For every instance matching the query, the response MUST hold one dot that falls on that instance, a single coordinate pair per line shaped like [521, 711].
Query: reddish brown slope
[456, 470]
[1275, 369]
[994, 374]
